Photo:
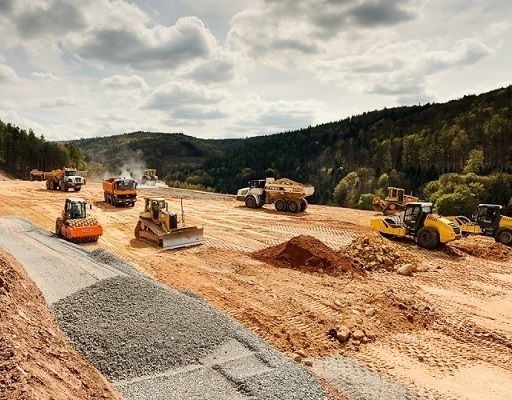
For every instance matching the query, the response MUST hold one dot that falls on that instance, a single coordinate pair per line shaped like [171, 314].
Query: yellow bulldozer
[160, 226]
[420, 223]
[394, 202]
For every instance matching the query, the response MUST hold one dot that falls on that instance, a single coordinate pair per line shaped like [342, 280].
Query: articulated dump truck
[60, 179]
[160, 226]
[286, 194]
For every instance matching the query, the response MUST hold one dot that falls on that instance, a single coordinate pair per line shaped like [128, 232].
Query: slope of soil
[36, 361]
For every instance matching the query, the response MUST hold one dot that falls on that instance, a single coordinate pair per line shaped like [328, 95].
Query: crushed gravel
[358, 382]
[150, 340]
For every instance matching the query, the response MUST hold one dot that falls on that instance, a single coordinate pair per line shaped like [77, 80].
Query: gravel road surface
[150, 341]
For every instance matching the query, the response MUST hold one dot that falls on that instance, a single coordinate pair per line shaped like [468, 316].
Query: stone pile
[372, 252]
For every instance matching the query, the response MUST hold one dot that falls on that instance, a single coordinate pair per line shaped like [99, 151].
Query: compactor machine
[487, 221]
[158, 225]
[428, 230]
[75, 225]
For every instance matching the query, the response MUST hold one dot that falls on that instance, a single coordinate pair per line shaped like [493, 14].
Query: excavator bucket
[183, 237]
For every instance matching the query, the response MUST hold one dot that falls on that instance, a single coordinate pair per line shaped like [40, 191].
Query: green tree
[475, 162]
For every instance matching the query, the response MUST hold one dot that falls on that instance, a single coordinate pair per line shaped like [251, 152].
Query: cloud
[146, 49]
[7, 74]
[179, 94]
[399, 69]
[288, 32]
[57, 102]
[45, 76]
[49, 18]
[255, 116]
[123, 82]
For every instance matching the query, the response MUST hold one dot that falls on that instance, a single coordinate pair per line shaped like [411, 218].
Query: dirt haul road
[444, 331]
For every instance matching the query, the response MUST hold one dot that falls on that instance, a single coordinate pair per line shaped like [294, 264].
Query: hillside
[403, 146]
[173, 155]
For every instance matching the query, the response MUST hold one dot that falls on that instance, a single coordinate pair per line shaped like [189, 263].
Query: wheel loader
[157, 225]
[428, 230]
[75, 225]
[487, 221]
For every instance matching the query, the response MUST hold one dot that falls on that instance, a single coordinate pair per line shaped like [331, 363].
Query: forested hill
[404, 146]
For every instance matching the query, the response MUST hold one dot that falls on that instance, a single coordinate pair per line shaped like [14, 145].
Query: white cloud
[124, 82]
[104, 67]
[7, 74]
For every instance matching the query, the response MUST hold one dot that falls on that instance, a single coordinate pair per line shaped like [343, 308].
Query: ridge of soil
[36, 360]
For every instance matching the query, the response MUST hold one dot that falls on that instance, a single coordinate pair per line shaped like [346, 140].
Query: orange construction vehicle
[120, 191]
[75, 225]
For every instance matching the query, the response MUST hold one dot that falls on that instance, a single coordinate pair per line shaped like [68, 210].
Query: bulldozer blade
[183, 237]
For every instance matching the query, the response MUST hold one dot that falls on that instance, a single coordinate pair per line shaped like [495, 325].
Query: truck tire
[105, 199]
[280, 205]
[504, 236]
[48, 185]
[427, 237]
[250, 202]
[303, 204]
[293, 206]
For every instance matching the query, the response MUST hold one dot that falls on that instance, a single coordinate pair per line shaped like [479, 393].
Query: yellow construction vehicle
[394, 202]
[428, 230]
[287, 195]
[488, 221]
[157, 225]
[75, 225]
[149, 177]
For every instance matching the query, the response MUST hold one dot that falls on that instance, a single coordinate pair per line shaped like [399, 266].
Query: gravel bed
[358, 382]
[153, 342]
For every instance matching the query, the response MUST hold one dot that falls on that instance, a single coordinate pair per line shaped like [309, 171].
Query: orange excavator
[75, 225]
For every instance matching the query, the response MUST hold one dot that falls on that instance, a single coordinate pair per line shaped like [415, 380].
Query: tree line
[21, 151]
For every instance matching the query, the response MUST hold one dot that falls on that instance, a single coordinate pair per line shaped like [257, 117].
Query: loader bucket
[183, 237]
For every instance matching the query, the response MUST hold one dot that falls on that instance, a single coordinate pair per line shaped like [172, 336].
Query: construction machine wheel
[293, 206]
[280, 205]
[303, 204]
[77, 189]
[504, 236]
[58, 225]
[250, 202]
[427, 237]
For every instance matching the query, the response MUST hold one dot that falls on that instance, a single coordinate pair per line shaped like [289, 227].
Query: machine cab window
[412, 214]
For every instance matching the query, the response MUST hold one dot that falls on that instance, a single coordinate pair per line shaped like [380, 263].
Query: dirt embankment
[36, 360]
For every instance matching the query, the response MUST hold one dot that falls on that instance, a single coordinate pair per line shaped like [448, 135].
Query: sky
[238, 68]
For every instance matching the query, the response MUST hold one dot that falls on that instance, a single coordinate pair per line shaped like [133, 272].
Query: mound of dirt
[483, 247]
[372, 252]
[36, 360]
[307, 254]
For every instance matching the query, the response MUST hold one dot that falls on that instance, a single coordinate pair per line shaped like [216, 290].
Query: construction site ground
[319, 286]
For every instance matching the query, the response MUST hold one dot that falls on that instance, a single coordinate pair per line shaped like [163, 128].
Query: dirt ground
[439, 321]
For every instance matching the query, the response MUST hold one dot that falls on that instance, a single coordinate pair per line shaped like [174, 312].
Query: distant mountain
[402, 146]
